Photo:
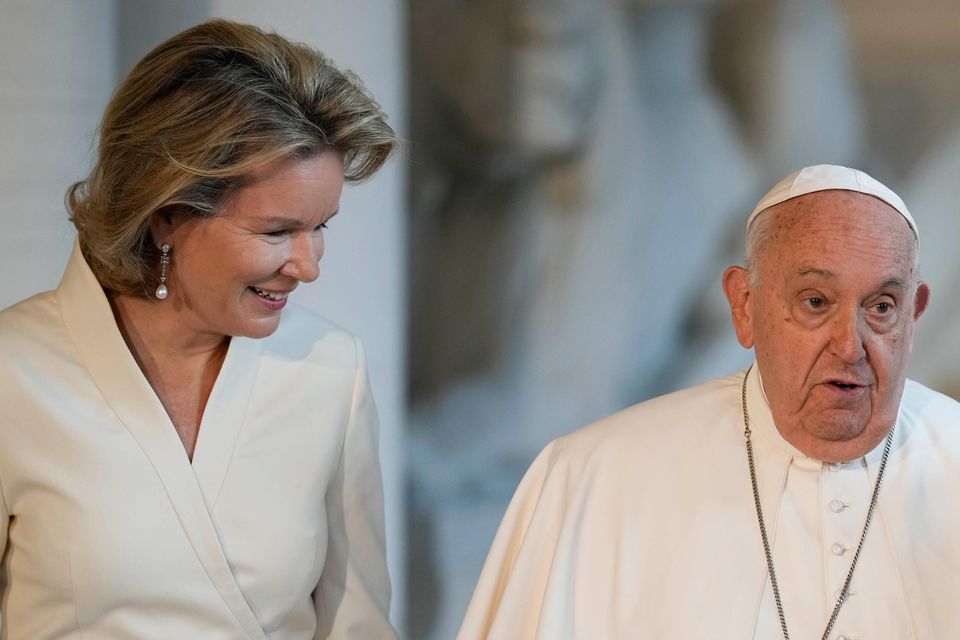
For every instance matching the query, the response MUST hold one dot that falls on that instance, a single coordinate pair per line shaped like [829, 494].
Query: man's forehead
[836, 221]
[814, 273]
[868, 264]
[839, 207]
[833, 234]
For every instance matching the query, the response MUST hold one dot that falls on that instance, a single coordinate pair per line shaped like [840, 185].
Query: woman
[182, 453]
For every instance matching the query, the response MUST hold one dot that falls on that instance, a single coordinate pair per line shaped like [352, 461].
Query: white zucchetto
[823, 177]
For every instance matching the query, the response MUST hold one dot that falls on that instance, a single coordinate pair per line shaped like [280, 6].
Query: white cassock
[108, 531]
[643, 525]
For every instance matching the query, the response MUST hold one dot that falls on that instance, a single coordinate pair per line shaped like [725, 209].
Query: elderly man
[812, 495]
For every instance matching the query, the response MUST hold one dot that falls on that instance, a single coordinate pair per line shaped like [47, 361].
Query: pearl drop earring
[164, 263]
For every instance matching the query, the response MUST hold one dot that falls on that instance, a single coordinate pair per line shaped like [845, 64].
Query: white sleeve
[509, 594]
[353, 596]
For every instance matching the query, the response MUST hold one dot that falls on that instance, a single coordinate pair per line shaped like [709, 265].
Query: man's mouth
[844, 385]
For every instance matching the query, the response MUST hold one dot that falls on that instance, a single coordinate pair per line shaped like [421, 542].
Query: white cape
[643, 525]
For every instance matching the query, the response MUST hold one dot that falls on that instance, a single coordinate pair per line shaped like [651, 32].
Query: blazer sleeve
[353, 596]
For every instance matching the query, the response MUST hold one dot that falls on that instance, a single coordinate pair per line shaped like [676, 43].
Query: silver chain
[763, 529]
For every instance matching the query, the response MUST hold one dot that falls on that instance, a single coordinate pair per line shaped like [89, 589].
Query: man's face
[831, 319]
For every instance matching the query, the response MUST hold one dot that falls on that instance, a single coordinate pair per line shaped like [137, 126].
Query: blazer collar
[192, 490]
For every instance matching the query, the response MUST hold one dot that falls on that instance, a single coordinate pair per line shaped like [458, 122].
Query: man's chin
[838, 425]
[838, 436]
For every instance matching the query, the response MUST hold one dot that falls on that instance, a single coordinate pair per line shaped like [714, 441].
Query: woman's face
[230, 275]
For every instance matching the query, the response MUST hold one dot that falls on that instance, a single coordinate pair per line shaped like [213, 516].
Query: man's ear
[921, 300]
[736, 286]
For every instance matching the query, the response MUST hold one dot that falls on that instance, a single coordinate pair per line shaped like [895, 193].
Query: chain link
[763, 529]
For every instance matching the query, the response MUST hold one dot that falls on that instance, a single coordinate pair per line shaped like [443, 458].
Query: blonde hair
[194, 118]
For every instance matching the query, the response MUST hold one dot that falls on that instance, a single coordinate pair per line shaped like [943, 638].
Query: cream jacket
[108, 531]
[643, 526]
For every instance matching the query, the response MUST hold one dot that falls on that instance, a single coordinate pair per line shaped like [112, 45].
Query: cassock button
[836, 506]
[838, 549]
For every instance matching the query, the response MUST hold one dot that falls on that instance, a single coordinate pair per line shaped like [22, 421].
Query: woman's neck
[157, 335]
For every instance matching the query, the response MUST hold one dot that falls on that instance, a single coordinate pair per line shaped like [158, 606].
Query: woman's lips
[273, 300]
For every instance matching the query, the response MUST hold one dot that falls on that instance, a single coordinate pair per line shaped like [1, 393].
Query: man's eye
[279, 233]
[883, 307]
[321, 226]
[814, 302]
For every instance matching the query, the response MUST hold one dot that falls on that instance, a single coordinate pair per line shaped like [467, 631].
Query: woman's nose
[304, 260]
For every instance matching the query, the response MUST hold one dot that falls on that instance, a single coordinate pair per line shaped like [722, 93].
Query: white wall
[56, 76]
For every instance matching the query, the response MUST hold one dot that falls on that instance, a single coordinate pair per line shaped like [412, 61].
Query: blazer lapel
[223, 417]
[102, 351]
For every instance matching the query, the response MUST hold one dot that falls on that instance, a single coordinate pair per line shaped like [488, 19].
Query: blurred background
[547, 247]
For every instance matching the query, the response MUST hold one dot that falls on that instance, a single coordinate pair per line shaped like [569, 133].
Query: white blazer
[643, 525]
[275, 530]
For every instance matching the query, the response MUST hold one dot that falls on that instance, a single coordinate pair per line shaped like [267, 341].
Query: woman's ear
[164, 223]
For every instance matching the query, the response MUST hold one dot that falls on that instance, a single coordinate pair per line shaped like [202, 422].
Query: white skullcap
[823, 177]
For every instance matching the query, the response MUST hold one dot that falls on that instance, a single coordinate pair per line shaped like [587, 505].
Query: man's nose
[846, 340]
[304, 260]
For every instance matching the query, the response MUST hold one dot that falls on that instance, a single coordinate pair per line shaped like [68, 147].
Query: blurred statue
[935, 191]
[574, 176]
[788, 68]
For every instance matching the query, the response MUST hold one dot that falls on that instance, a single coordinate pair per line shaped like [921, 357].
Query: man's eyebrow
[895, 283]
[814, 271]
[889, 283]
